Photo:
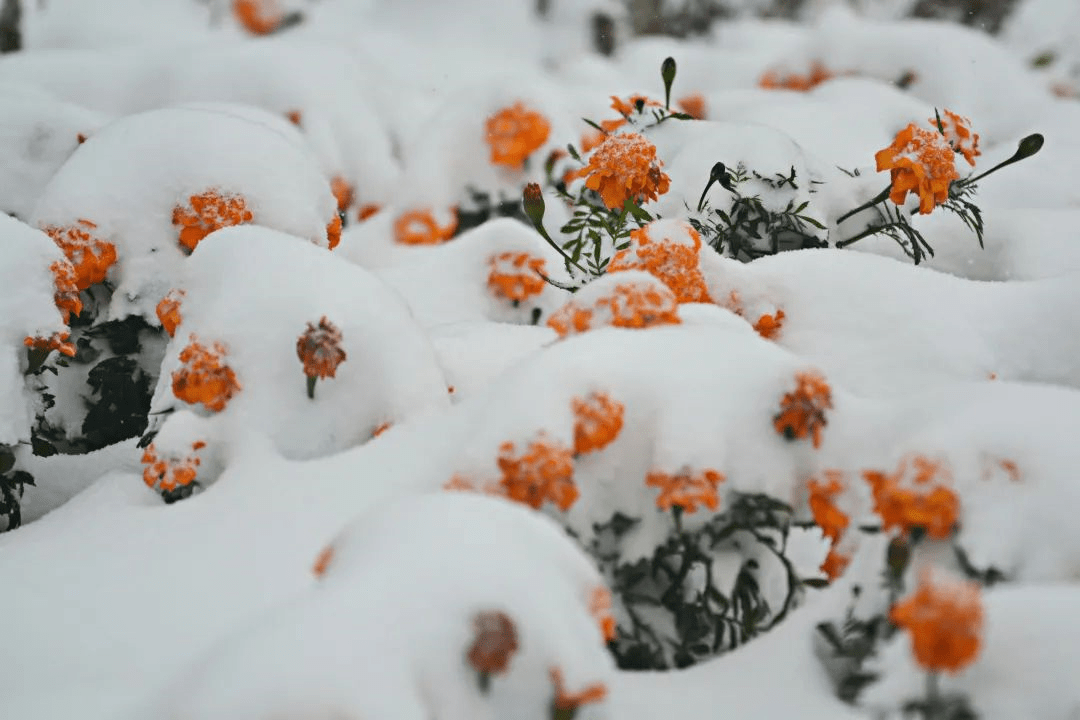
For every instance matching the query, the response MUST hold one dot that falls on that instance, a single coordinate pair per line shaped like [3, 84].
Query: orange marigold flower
[80, 138]
[625, 167]
[203, 378]
[686, 490]
[66, 297]
[168, 311]
[90, 256]
[957, 132]
[514, 133]
[333, 232]
[570, 319]
[692, 105]
[515, 276]
[768, 326]
[600, 608]
[670, 251]
[832, 521]
[319, 348]
[418, 227]
[632, 306]
[632, 104]
[56, 341]
[544, 471]
[818, 74]
[381, 428]
[458, 482]
[802, 412]
[494, 643]
[945, 620]
[322, 562]
[206, 212]
[565, 700]
[259, 17]
[597, 422]
[167, 475]
[921, 160]
[343, 192]
[295, 117]
[835, 564]
[915, 496]
[367, 211]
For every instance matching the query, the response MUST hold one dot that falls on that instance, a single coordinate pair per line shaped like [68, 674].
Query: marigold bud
[532, 200]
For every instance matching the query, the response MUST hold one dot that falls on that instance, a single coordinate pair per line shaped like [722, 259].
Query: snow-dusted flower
[333, 232]
[544, 471]
[693, 105]
[209, 211]
[597, 422]
[514, 133]
[367, 210]
[916, 495]
[773, 80]
[686, 489]
[835, 564]
[669, 250]
[625, 167]
[957, 132]
[515, 276]
[494, 643]
[343, 192]
[67, 292]
[769, 326]
[633, 104]
[600, 609]
[944, 618]
[168, 311]
[419, 227]
[592, 137]
[319, 349]
[169, 474]
[203, 378]
[832, 521]
[57, 341]
[258, 17]
[919, 160]
[322, 561]
[802, 411]
[90, 256]
[630, 304]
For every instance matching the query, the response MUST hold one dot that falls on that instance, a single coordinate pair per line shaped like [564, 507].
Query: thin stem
[933, 695]
[878, 198]
[872, 230]
[544, 234]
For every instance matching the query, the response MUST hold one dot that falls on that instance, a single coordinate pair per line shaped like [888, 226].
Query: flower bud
[667, 72]
[1029, 146]
[532, 200]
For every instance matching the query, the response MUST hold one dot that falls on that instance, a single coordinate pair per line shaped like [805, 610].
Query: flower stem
[1027, 147]
[933, 695]
[878, 198]
[872, 230]
[311, 385]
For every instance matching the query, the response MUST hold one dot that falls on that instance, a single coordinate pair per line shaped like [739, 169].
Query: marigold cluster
[566, 700]
[802, 411]
[831, 519]
[600, 609]
[597, 422]
[628, 305]
[259, 17]
[835, 564]
[418, 227]
[516, 276]
[544, 471]
[685, 489]
[669, 259]
[90, 256]
[203, 378]
[494, 642]
[944, 619]
[957, 132]
[772, 80]
[624, 167]
[206, 212]
[167, 475]
[915, 495]
[922, 161]
[319, 349]
[514, 133]
[57, 341]
[168, 311]
[66, 296]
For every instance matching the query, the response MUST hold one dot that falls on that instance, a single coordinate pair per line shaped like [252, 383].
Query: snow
[338, 546]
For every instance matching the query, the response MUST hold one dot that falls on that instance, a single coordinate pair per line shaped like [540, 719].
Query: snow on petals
[669, 250]
[957, 132]
[627, 300]
[686, 489]
[802, 411]
[168, 311]
[624, 167]
[944, 618]
[514, 133]
[916, 495]
[319, 349]
[90, 256]
[515, 276]
[169, 474]
[419, 227]
[543, 471]
[597, 422]
[203, 377]
[922, 161]
[209, 211]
